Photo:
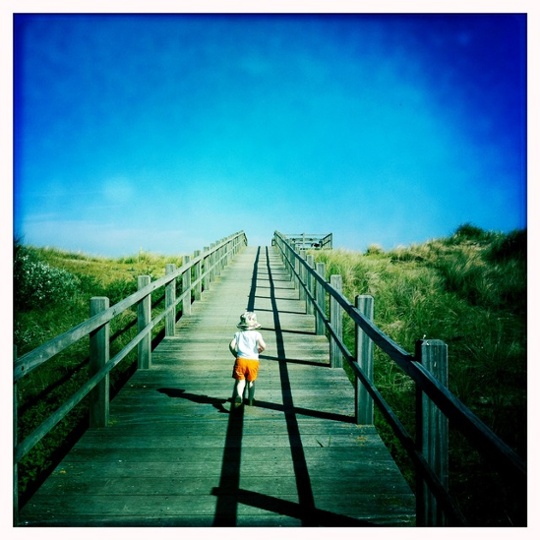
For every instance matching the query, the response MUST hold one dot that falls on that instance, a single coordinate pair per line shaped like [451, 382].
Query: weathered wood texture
[174, 454]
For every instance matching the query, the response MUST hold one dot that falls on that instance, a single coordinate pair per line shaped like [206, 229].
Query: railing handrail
[483, 438]
[322, 239]
[26, 363]
[32, 359]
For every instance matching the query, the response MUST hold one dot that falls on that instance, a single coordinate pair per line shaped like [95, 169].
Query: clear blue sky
[167, 132]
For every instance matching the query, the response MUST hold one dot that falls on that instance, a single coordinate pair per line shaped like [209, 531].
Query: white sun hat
[248, 321]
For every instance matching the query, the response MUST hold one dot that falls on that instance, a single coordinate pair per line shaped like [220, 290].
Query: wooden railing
[436, 405]
[310, 240]
[195, 275]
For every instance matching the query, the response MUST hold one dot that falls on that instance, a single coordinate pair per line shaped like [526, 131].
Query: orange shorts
[245, 369]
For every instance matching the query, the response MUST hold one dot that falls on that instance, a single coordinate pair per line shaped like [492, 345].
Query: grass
[469, 290]
[52, 295]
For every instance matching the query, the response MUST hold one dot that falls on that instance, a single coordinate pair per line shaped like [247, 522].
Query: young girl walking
[245, 346]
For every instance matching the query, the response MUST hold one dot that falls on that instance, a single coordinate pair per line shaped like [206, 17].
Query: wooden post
[302, 274]
[321, 300]
[211, 264]
[144, 316]
[196, 275]
[309, 283]
[364, 357]
[218, 262]
[292, 264]
[170, 299]
[432, 432]
[225, 254]
[283, 253]
[289, 255]
[186, 288]
[99, 356]
[336, 321]
[206, 278]
[298, 275]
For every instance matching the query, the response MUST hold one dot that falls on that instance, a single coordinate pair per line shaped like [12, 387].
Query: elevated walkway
[173, 455]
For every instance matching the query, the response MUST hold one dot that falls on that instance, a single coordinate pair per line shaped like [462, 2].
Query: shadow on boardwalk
[175, 454]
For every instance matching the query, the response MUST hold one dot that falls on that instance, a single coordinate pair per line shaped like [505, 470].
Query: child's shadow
[179, 393]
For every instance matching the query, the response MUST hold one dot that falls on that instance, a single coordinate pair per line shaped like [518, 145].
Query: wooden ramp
[174, 456]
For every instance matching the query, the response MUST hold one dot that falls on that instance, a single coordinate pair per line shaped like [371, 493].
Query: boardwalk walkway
[174, 456]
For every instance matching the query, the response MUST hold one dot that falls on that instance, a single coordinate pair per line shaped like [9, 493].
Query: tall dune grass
[469, 290]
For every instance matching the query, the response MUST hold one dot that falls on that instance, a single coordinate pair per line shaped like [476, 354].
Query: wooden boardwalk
[174, 456]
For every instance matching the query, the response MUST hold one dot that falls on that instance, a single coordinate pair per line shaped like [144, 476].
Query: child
[245, 347]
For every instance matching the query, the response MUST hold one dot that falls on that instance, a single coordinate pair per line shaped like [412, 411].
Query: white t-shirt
[247, 343]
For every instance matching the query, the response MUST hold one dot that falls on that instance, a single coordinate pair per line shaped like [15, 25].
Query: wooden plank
[174, 455]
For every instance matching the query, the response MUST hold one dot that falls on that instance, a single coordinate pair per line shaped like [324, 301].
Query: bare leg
[238, 390]
[251, 392]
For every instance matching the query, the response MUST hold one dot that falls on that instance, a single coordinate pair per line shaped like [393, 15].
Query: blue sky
[167, 132]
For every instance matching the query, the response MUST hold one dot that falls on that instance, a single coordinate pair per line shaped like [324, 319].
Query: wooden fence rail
[436, 405]
[311, 240]
[204, 267]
